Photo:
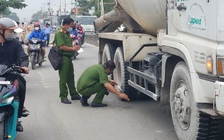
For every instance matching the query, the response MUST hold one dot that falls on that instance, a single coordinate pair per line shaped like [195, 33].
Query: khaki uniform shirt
[30, 28]
[23, 28]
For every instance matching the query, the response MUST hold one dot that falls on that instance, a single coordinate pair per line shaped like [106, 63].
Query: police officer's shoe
[84, 102]
[65, 101]
[98, 105]
[19, 127]
[76, 97]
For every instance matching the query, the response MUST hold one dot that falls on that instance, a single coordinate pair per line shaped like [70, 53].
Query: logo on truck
[196, 17]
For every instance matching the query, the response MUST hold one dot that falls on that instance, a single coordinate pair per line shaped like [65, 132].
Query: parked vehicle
[172, 51]
[77, 40]
[9, 102]
[35, 52]
[86, 22]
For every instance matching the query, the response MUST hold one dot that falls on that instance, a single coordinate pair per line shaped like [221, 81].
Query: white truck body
[86, 22]
[173, 51]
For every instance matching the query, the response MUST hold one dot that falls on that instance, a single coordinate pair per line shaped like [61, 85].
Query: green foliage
[5, 4]
[5, 12]
[39, 15]
[85, 5]
[12, 16]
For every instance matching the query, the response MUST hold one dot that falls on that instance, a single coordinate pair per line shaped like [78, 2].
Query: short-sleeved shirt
[92, 75]
[62, 37]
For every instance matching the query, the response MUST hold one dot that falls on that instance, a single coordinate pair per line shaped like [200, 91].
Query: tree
[85, 5]
[39, 15]
[5, 4]
[12, 16]
[107, 7]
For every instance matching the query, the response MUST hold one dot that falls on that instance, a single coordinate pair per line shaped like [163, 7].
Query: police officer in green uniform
[66, 73]
[95, 80]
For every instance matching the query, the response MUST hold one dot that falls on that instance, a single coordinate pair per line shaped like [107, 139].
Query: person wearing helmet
[81, 32]
[38, 33]
[12, 53]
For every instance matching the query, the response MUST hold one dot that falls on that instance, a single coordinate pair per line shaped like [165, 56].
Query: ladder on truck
[146, 80]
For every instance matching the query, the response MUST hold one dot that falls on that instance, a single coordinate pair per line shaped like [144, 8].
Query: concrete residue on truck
[172, 51]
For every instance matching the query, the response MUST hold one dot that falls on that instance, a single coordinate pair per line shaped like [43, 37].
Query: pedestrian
[23, 33]
[66, 73]
[47, 30]
[95, 80]
[10, 52]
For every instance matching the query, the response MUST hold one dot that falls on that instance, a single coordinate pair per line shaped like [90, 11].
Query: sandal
[19, 127]
[25, 112]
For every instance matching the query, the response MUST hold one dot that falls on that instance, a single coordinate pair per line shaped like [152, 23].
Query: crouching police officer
[95, 80]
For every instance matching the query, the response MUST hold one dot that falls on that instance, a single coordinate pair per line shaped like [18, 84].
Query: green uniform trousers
[97, 88]
[67, 78]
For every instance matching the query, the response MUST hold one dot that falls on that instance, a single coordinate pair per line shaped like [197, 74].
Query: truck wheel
[188, 121]
[108, 53]
[121, 75]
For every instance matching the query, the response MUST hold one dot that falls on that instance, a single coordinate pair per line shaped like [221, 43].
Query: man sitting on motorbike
[38, 33]
[12, 53]
[81, 31]
[74, 34]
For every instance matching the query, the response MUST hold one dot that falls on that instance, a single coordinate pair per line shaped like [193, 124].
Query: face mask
[10, 36]
[36, 28]
[69, 29]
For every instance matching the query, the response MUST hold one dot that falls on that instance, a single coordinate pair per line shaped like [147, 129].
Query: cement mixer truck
[173, 52]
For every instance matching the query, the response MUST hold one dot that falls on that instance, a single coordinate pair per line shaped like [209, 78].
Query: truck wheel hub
[182, 106]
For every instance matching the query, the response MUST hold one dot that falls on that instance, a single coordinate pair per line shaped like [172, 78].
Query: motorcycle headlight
[220, 66]
[7, 100]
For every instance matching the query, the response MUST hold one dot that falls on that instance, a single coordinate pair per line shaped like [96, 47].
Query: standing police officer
[66, 73]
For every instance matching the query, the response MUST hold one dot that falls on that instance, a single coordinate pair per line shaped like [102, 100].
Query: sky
[33, 6]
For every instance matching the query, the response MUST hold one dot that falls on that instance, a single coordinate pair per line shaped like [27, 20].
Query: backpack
[55, 58]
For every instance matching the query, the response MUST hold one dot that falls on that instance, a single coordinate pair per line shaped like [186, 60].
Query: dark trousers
[22, 95]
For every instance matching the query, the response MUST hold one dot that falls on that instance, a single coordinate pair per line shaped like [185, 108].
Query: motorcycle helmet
[36, 24]
[7, 23]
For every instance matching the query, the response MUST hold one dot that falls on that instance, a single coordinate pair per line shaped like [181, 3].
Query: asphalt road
[51, 120]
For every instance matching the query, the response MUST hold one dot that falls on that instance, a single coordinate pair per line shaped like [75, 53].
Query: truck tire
[188, 121]
[108, 53]
[121, 75]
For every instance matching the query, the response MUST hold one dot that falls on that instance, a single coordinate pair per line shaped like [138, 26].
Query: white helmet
[7, 23]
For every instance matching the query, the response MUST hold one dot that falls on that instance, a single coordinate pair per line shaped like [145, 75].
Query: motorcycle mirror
[23, 59]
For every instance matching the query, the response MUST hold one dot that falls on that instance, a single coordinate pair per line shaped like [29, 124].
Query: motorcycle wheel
[75, 54]
[32, 60]
[3, 131]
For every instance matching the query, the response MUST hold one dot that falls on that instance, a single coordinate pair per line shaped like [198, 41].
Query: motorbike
[77, 41]
[35, 52]
[9, 102]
